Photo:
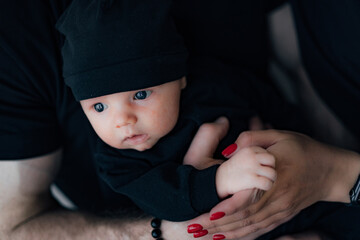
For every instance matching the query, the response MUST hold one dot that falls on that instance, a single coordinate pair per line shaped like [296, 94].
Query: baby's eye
[99, 107]
[141, 95]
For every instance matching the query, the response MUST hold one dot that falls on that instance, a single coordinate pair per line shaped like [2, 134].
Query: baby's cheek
[106, 135]
[167, 120]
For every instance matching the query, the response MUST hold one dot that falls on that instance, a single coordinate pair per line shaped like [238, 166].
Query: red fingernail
[217, 215]
[194, 228]
[218, 237]
[200, 233]
[229, 150]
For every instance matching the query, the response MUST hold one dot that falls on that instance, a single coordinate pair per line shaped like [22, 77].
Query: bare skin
[29, 212]
[308, 171]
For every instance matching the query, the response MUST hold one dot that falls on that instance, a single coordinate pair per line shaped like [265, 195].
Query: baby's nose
[125, 119]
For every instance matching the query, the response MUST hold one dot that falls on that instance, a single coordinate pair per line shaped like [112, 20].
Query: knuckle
[215, 228]
[248, 222]
[247, 151]
[289, 207]
[267, 185]
[253, 228]
[262, 183]
[244, 215]
[245, 138]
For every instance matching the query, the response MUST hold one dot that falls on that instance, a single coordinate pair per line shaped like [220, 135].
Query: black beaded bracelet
[156, 232]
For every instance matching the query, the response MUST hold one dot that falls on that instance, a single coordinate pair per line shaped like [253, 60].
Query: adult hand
[307, 171]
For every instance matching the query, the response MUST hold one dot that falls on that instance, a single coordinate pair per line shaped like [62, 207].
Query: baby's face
[135, 119]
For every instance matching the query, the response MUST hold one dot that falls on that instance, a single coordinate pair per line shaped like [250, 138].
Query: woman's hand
[307, 171]
[249, 168]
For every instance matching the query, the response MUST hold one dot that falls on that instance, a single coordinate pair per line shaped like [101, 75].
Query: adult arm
[308, 172]
[29, 212]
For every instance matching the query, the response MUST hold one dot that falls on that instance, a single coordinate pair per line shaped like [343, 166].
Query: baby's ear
[183, 82]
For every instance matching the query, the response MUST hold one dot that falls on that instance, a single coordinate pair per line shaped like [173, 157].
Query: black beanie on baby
[119, 45]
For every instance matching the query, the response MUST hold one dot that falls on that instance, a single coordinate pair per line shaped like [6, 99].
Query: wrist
[348, 173]
[174, 230]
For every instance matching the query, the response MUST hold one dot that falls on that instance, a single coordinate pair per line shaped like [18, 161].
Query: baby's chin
[140, 148]
[145, 146]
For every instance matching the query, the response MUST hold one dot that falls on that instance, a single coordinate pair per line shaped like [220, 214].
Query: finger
[266, 159]
[224, 124]
[229, 206]
[267, 172]
[258, 149]
[261, 219]
[269, 209]
[235, 203]
[247, 233]
[257, 229]
[235, 215]
[263, 183]
[255, 123]
[242, 216]
[264, 138]
[203, 220]
[232, 149]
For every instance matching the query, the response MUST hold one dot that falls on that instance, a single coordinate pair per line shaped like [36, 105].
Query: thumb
[235, 203]
[262, 138]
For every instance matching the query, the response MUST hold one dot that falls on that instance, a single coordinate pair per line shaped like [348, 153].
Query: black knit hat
[120, 45]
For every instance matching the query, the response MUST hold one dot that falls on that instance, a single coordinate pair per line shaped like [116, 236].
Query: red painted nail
[218, 237]
[194, 228]
[229, 150]
[217, 215]
[200, 233]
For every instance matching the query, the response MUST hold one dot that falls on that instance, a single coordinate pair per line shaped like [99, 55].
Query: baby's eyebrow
[90, 103]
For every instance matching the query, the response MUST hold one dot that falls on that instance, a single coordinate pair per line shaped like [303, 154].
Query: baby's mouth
[136, 139]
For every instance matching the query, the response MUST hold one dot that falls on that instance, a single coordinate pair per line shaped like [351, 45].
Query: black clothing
[38, 114]
[155, 179]
[118, 46]
[329, 36]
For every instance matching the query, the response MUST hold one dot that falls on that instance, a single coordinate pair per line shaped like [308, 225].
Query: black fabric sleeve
[168, 191]
[29, 68]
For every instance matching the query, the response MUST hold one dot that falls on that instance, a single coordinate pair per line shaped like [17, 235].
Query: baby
[127, 65]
